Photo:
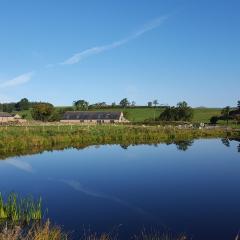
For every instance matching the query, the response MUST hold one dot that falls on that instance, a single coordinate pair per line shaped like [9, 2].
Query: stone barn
[93, 117]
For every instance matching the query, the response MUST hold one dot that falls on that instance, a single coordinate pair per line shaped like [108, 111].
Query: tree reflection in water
[184, 145]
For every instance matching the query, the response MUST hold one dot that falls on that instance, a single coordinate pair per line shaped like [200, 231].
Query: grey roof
[91, 116]
[4, 114]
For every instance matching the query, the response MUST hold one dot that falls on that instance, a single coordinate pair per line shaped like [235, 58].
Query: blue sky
[61, 51]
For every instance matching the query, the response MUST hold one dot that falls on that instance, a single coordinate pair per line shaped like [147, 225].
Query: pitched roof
[91, 116]
[4, 114]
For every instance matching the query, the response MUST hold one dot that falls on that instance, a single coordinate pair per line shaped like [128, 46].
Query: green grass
[19, 140]
[204, 114]
[141, 114]
[22, 210]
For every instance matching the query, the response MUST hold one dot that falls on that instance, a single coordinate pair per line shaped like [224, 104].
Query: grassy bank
[17, 140]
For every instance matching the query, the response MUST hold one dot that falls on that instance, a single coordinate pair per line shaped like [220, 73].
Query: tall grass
[20, 210]
[16, 140]
[36, 232]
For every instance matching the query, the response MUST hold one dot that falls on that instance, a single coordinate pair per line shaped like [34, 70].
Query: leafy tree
[55, 116]
[133, 104]
[42, 111]
[184, 112]
[23, 104]
[149, 104]
[155, 102]
[114, 104]
[8, 107]
[180, 113]
[238, 105]
[169, 114]
[225, 113]
[81, 105]
[214, 120]
[124, 103]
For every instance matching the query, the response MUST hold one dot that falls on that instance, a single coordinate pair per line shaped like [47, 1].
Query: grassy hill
[140, 114]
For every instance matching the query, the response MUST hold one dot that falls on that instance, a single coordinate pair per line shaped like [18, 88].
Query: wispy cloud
[93, 193]
[19, 80]
[77, 57]
[24, 166]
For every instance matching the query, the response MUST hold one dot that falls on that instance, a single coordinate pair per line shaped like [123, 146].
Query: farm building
[93, 117]
[7, 118]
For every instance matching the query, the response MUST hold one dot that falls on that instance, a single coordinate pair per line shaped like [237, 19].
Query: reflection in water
[124, 146]
[226, 142]
[101, 188]
[97, 194]
[184, 145]
[24, 166]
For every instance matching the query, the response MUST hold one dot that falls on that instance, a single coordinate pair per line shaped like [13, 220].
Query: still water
[191, 188]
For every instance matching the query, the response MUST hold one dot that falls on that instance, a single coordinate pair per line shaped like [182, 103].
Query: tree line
[227, 114]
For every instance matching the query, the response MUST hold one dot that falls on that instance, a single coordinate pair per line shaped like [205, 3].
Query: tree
[238, 105]
[180, 113]
[214, 120]
[169, 114]
[155, 102]
[55, 116]
[184, 112]
[81, 105]
[124, 103]
[23, 104]
[225, 113]
[42, 111]
[133, 104]
[149, 104]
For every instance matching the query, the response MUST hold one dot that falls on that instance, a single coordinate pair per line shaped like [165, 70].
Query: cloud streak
[19, 80]
[93, 193]
[77, 57]
[24, 166]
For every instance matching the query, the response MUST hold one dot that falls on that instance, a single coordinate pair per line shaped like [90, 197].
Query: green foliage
[42, 112]
[22, 210]
[23, 104]
[81, 105]
[225, 113]
[17, 140]
[238, 105]
[124, 103]
[180, 113]
[214, 120]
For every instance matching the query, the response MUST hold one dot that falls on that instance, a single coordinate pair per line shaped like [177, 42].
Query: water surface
[192, 188]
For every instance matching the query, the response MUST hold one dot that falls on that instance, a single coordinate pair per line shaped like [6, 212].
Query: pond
[191, 188]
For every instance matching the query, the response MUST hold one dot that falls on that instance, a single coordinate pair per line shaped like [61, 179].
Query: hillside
[137, 114]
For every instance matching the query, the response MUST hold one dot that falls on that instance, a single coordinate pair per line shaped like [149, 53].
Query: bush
[180, 113]
[42, 111]
[214, 120]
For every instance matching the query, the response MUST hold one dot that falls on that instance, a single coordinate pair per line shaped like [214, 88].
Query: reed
[20, 210]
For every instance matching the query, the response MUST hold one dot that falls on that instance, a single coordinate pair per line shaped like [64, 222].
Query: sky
[175, 50]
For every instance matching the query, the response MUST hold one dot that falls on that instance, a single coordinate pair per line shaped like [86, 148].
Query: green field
[140, 114]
